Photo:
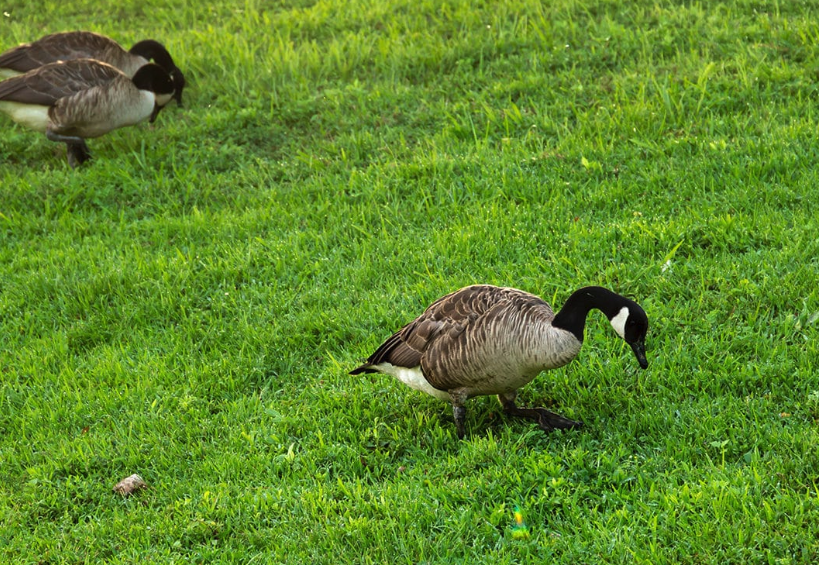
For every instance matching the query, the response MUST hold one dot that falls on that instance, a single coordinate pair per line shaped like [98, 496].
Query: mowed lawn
[187, 305]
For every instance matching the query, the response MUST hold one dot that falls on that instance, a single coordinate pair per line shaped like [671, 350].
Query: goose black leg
[54, 136]
[459, 411]
[76, 149]
[547, 421]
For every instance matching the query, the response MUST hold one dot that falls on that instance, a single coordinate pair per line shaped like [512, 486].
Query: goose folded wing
[405, 347]
[20, 59]
[447, 359]
[74, 45]
[456, 357]
[446, 316]
[468, 303]
[48, 84]
[53, 48]
[17, 89]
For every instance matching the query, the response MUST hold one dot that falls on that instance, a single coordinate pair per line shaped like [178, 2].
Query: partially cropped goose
[483, 340]
[69, 45]
[83, 98]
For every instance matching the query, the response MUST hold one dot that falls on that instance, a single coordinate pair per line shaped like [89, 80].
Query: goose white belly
[501, 381]
[163, 99]
[30, 115]
[133, 113]
[114, 114]
[413, 378]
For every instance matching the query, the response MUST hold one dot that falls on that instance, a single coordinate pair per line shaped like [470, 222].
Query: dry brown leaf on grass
[129, 485]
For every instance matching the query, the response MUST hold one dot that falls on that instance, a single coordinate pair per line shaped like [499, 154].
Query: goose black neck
[572, 317]
[154, 51]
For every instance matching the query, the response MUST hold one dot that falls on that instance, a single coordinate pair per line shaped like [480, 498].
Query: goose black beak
[155, 113]
[178, 84]
[639, 348]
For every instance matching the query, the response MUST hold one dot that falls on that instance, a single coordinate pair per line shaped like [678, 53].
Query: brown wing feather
[63, 46]
[458, 355]
[405, 347]
[51, 82]
[445, 319]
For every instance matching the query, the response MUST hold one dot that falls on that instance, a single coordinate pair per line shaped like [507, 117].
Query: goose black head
[153, 78]
[153, 50]
[631, 323]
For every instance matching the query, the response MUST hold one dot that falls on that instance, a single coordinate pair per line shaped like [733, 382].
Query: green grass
[188, 305]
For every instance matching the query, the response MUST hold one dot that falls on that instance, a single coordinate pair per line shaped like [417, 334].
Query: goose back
[66, 46]
[481, 339]
[45, 85]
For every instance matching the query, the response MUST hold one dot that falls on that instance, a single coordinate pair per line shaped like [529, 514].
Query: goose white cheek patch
[619, 322]
[163, 99]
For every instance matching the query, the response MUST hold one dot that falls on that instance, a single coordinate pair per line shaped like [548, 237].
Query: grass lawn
[188, 305]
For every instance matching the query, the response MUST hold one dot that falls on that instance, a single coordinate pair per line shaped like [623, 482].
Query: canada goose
[69, 45]
[484, 339]
[83, 98]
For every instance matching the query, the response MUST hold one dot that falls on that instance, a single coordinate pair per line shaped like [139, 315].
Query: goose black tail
[363, 369]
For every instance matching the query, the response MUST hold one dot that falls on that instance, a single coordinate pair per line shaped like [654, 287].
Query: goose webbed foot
[547, 420]
[77, 154]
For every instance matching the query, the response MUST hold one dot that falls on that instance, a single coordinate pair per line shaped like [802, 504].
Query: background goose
[83, 98]
[70, 45]
[485, 339]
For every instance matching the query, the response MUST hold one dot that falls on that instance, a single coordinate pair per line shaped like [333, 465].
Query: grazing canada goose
[69, 45]
[483, 340]
[83, 98]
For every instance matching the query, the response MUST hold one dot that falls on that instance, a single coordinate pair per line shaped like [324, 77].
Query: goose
[484, 340]
[69, 45]
[84, 98]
